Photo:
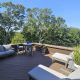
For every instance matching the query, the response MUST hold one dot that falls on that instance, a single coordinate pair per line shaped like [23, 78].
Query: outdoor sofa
[42, 72]
[6, 50]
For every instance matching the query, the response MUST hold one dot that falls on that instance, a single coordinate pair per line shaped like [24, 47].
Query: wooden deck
[17, 67]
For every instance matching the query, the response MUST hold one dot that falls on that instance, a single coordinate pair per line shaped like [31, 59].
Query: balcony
[17, 67]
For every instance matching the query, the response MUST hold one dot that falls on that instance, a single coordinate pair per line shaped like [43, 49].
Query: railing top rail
[55, 46]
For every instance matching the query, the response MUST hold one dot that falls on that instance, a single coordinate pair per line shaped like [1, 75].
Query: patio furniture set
[7, 50]
[42, 72]
[26, 48]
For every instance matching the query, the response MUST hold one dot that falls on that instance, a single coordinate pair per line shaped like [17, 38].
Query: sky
[68, 9]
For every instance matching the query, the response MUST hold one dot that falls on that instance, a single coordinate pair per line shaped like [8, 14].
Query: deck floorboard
[17, 67]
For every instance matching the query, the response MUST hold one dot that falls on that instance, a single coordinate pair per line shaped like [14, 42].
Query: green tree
[18, 38]
[12, 17]
[73, 37]
[36, 25]
[2, 35]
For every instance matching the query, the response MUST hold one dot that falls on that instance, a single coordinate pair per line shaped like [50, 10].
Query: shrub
[77, 55]
[18, 38]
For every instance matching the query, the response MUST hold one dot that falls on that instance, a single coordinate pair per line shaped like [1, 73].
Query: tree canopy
[37, 25]
[12, 18]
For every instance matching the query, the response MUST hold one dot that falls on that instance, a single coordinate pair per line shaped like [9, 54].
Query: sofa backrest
[7, 47]
[1, 48]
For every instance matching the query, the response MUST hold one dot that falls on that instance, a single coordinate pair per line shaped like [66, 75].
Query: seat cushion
[6, 53]
[9, 52]
[42, 72]
[60, 57]
[2, 53]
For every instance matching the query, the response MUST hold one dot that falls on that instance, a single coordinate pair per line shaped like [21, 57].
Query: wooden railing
[55, 46]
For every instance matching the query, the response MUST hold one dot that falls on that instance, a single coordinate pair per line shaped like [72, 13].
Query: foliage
[18, 38]
[77, 55]
[37, 25]
[13, 15]
[2, 35]
[37, 20]
[42, 26]
[12, 18]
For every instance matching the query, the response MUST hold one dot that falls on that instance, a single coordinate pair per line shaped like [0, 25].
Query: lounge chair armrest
[69, 58]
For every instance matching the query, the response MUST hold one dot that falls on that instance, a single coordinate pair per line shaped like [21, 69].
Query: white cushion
[75, 75]
[61, 57]
[7, 47]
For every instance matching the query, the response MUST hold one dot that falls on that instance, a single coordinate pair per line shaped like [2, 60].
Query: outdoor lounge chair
[42, 72]
[6, 50]
[62, 57]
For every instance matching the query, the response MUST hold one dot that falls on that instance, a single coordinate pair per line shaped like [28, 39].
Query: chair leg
[66, 65]
[53, 60]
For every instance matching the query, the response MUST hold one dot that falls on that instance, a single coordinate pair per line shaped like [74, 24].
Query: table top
[27, 44]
